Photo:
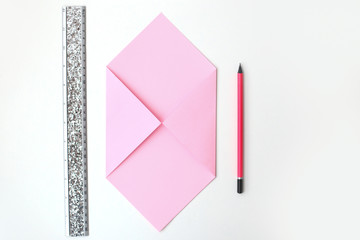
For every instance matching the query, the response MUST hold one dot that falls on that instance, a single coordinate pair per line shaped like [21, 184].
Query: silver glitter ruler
[75, 138]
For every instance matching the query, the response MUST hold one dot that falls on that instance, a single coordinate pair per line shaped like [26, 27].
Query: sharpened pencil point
[240, 69]
[240, 186]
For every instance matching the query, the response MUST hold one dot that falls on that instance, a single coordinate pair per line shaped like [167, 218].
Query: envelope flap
[160, 66]
[128, 122]
[193, 122]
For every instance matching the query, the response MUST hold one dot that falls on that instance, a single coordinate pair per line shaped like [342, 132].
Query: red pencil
[240, 170]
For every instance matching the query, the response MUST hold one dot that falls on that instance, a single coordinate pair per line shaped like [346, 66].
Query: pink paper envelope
[160, 122]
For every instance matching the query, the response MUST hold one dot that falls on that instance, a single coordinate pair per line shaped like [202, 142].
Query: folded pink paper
[160, 122]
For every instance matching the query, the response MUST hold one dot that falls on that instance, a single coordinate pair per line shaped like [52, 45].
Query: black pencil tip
[240, 69]
[240, 187]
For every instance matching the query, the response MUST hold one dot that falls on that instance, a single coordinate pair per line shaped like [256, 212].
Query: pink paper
[161, 122]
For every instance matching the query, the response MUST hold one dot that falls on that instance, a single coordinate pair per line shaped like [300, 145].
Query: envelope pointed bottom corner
[128, 122]
[160, 178]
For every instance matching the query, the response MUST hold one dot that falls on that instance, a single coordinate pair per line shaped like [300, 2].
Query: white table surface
[302, 71]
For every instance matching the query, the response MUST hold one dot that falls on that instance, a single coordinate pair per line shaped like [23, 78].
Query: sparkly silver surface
[76, 122]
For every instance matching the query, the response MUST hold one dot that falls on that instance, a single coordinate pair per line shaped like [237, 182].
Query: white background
[302, 72]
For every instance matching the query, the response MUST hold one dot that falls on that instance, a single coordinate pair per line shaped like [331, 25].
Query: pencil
[240, 147]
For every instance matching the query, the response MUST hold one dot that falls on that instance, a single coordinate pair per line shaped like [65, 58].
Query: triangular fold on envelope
[160, 177]
[160, 65]
[193, 122]
[128, 122]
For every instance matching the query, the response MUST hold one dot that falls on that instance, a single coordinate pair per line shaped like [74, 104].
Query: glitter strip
[76, 152]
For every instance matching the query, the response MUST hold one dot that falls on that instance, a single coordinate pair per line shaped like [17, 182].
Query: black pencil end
[240, 69]
[240, 187]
